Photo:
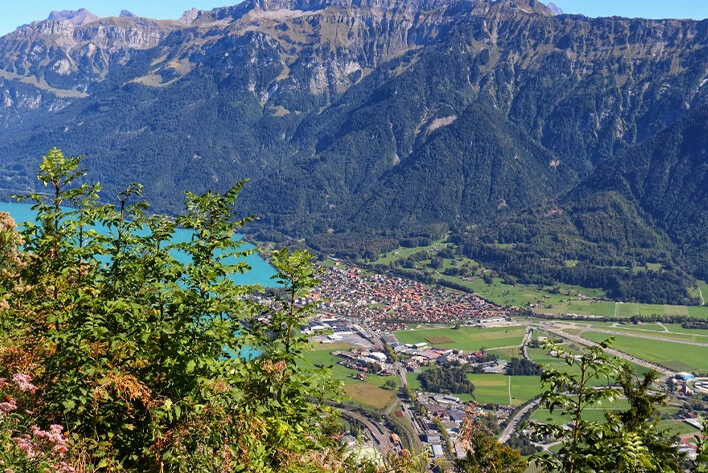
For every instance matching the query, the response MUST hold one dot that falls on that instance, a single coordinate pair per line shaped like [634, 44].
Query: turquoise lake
[260, 273]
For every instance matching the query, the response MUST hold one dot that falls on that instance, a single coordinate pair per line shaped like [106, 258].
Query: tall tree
[486, 455]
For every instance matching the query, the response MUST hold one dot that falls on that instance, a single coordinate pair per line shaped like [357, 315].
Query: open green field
[677, 328]
[557, 299]
[594, 414]
[524, 388]
[367, 392]
[490, 388]
[402, 253]
[678, 427]
[701, 291]
[465, 338]
[497, 291]
[521, 294]
[675, 356]
[507, 353]
[494, 388]
[541, 357]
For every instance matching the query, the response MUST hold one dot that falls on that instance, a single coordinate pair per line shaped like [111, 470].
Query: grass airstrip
[672, 355]
[597, 414]
[624, 309]
[662, 331]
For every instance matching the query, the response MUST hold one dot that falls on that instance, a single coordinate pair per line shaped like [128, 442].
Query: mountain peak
[555, 8]
[189, 16]
[75, 17]
[127, 14]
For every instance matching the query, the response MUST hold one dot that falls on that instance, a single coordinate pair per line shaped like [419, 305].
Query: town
[391, 303]
[359, 320]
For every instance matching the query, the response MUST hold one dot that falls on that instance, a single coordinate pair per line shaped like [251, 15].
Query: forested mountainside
[648, 205]
[363, 115]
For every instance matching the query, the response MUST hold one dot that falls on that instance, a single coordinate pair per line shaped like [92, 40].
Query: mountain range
[505, 121]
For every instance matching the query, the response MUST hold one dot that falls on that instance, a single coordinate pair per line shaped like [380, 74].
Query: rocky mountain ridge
[76, 17]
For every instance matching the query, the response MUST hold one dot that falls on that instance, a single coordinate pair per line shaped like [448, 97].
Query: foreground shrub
[138, 362]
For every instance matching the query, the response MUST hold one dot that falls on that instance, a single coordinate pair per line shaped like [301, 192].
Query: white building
[379, 356]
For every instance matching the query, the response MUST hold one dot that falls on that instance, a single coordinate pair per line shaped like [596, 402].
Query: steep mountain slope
[649, 205]
[347, 114]
[479, 164]
[666, 178]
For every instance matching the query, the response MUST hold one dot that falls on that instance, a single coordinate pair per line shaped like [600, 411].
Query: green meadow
[465, 338]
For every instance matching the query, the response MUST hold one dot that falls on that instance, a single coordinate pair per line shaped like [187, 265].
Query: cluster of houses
[389, 303]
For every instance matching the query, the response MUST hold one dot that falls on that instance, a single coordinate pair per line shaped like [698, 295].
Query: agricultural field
[490, 388]
[507, 353]
[677, 328]
[521, 295]
[675, 356]
[465, 338]
[524, 388]
[402, 253]
[595, 414]
[701, 292]
[369, 392]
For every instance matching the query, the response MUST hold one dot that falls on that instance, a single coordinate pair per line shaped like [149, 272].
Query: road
[525, 343]
[515, 420]
[612, 351]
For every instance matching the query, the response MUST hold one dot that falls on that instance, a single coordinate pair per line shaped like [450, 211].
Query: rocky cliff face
[48, 64]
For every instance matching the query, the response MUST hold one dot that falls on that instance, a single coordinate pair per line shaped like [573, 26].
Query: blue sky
[17, 12]
[695, 9]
